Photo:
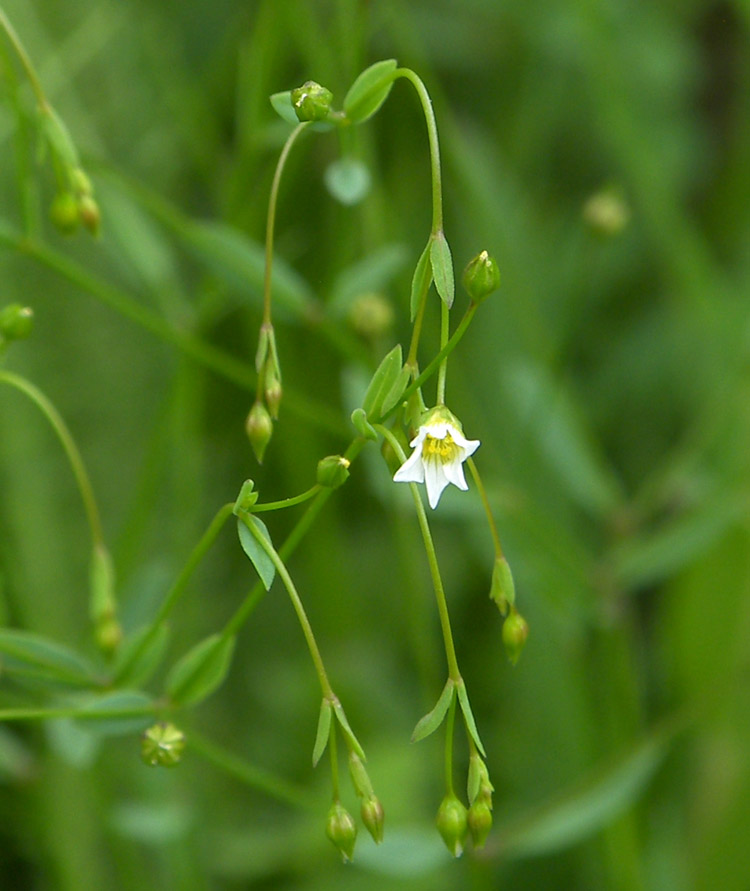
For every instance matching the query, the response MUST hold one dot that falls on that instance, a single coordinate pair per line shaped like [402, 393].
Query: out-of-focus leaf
[200, 671]
[116, 713]
[282, 105]
[373, 273]
[150, 645]
[40, 658]
[348, 180]
[382, 382]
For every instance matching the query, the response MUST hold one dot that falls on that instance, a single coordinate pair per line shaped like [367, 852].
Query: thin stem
[81, 712]
[437, 582]
[487, 509]
[444, 330]
[298, 607]
[449, 732]
[334, 761]
[286, 502]
[25, 59]
[69, 446]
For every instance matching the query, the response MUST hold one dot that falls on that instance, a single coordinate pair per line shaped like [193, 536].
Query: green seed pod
[481, 277]
[311, 102]
[479, 819]
[333, 471]
[89, 214]
[373, 817]
[503, 588]
[162, 745]
[273, 393]
[16, 322]
[341, 830]
[64, 213]
[259, 429]
[515, 632]
[452, 824]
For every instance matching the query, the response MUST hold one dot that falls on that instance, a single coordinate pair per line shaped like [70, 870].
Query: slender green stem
[487, 509]
[69, 446]
[443, 370]
[25, 59]
[449, 733]
[73, 711]
[298, 608]
[333, 749]
[437, 582]
[286, 502]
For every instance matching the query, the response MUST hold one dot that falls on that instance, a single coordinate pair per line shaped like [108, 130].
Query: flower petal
[412, 470]
[435, 481]
[454, 473]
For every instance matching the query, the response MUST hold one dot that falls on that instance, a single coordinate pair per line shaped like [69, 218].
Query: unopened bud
[273, 393]
[371, 315]
[452, 824]
[503, 588]
[479, 820]
[259, 428]
[341, 830]
[162, 745]
[64, 213]
[89, 214]
[108, 635]
[373, 817]
[247, 497]
[311, 101]
[515, 632]
[606, 212]
[333, 471]
[481, 277]
[16, 322]
[479, 785]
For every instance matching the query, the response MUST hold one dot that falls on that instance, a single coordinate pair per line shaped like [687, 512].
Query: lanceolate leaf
[250, 545]
[369, 91]
[118, 713]
[324, 731]
[382, 382]
[471, 726]
[394, 394]
[432, 720]
[347, 730]
[140, 655]
[442, 268]
[43, 659]
[421, 280]
[200, 671]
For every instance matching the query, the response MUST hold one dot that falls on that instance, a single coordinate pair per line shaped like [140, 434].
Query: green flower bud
[259, 428]
[16, 322]
[247, 497]
[479, 785]
[479, 819]
[89, 214]
[452, 824]
[360, 778]
[606, 212]
[373, 817]
[64, 213]
[503, 588]
[162, 745]
[333, 471]
[371, 315]
[312, 102]
[481, 277]
[108, 634]
[273, 393]
[515, 632]
[341, 830]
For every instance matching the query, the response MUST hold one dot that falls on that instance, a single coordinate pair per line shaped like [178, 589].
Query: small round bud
[311, 101]
[373, 817]
[481, 277]
[371, 315]
[479, 819]
[515, 632]
[273, 393]
[108, 635]
[503, 588]
[606, 212]
[16, 322]
[64, 213]
[452, 824]
[162, 745]
[259, 428]
[333, 471]
[341, 830]
[89, 213]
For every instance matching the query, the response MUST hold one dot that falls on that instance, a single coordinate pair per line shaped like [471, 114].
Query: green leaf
[432, 720]
[251, 546]
[362, 425]
[42, 659]
[59, 138]
[149, 644]
[282, 105]
[324, 731]
[118, 713]
[382, 382]
[442, 268]
[347, 730]
[394, 394]
[348, 180]
[200, 671]
[369, 91]
[471, 725]
[421, 280]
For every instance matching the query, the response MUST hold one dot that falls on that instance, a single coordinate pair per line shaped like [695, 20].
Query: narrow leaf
[44, 659]
[250, 545]
[141, 654]
[432, 720]
[421, 280]
[324, 731]
[394, 394]
[118, 713]
[471, 726]
[200, 671]
[442, 268]
[369, 91]
[347, 730]
[282, 105]
[382, 382]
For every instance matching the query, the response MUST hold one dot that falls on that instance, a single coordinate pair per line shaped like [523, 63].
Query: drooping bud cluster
[371, 810]
[480, 791]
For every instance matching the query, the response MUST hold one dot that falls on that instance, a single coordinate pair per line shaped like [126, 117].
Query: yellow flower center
[444, 450]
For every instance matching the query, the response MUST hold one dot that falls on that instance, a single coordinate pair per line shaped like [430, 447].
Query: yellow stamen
[445, 450]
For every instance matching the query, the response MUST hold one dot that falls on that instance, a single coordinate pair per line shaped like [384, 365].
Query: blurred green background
[608, 381]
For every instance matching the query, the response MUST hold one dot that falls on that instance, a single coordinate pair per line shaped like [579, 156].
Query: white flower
[440, 448]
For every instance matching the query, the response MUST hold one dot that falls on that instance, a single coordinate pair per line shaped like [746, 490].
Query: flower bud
[479, 819]
[89, 214]
[341, 830]
[481, 277]
[452, 824]
[108, 634]
[515, 632]
[371, 315]
[259, 428]
[479, 785]
[64, 213]
[503, 588]
[312, 102]
[606, 212]
[162, 745]
[247, 497]
[333, 471]
[273, 393]
[373, 817]
[16, 322]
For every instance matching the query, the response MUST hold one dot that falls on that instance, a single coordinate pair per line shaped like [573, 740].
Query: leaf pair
[435, 264]
[329, 708]
[433, 719]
